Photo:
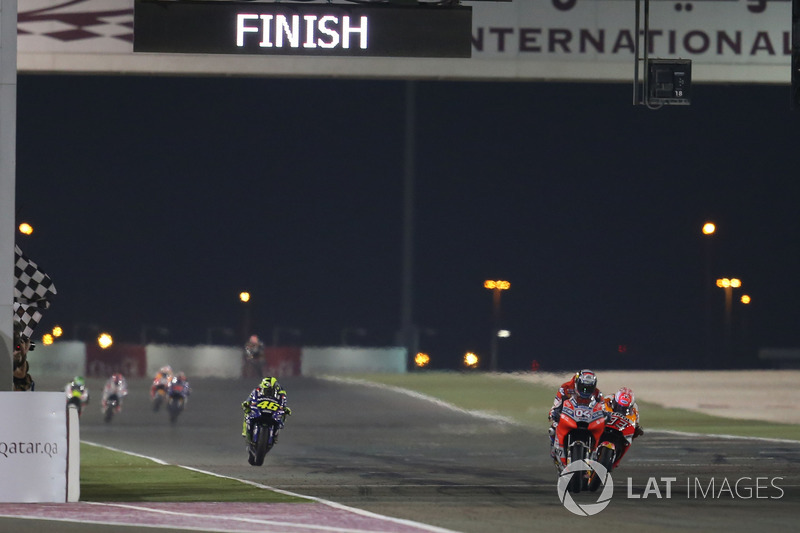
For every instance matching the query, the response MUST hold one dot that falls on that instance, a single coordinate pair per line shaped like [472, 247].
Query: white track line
[414, 394]
[361, 512]
[722, 436]
[124, 524]
[249, 521]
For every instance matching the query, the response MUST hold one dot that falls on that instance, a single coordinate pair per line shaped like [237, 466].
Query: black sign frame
[210, 27]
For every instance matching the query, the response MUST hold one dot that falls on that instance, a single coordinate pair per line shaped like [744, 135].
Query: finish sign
[208, 27]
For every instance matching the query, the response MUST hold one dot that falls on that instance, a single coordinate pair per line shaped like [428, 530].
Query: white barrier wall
[33, 447]
[196, 361]
[65, 358]
[315, 361]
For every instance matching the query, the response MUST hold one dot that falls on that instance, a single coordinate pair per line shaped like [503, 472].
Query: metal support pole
[495, 328]
[408, 338]
[636, 97]
[8, 144]
[646, 66]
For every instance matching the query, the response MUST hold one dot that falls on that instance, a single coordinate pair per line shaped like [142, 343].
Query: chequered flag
[33, 290]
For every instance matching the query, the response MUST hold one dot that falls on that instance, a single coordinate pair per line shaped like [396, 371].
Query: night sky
[155, 201]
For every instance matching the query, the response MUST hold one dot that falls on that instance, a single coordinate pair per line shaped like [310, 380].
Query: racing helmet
[166, 369]
[268, 385]
[117, 379]
[585, 384]
[623, 400]
[78, 381]
[181, 376]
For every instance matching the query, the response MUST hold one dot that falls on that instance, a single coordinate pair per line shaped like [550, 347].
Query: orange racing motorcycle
[616, 439]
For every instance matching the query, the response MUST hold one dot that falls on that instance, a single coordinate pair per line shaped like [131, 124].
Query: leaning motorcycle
[159, 395]
[176, 399]
[264, 420]
[615, 441]
[77, 397]
[578, 432]
[111, 406]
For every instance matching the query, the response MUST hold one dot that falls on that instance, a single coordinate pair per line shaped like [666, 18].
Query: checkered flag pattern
[33, 290]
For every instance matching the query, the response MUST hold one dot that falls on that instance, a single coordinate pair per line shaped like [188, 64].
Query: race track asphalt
[404, 457]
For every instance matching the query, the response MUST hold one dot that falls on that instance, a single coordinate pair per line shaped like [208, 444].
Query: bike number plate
[268, 405]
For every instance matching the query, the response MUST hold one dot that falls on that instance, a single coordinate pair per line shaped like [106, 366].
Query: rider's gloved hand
[555, 416]
[288, 411]
[246, 406]
[638, 432]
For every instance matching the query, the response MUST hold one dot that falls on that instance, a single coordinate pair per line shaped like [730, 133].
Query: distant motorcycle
[177, 391]
[115, 389]
[112, 403]
[159, 396]
[77, 395]
[264, 419]
[577, 435]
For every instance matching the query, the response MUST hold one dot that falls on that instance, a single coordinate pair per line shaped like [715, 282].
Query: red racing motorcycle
[578, 433]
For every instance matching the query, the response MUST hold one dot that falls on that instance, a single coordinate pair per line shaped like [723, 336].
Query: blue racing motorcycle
[263, 421]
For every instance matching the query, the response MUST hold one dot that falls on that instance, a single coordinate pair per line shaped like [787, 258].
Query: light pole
[728, 285]
[709, 228]
[496, 286]
[244, 297]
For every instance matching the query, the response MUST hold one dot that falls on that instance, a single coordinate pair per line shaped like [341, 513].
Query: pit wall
[73, 358]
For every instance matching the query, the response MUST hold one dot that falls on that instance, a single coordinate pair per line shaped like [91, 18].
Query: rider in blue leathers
[268, 389]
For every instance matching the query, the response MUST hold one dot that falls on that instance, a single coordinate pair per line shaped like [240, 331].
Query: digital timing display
[314, 30]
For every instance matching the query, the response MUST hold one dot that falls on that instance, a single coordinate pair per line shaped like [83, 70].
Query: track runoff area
[381, 457]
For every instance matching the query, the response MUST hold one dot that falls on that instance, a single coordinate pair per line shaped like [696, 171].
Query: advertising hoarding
[33, 447]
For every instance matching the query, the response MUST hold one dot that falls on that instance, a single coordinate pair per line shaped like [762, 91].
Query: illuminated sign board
[208, 27]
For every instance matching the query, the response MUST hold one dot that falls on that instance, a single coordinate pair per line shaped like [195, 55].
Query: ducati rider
[117, 386]
[582, 389]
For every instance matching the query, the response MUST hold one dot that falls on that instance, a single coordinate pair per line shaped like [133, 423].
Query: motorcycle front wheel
[258, 450]
[605, 456]
[577, 452]
[175, 407]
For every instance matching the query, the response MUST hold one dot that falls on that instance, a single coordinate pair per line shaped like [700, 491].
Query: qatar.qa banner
[33, 447]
